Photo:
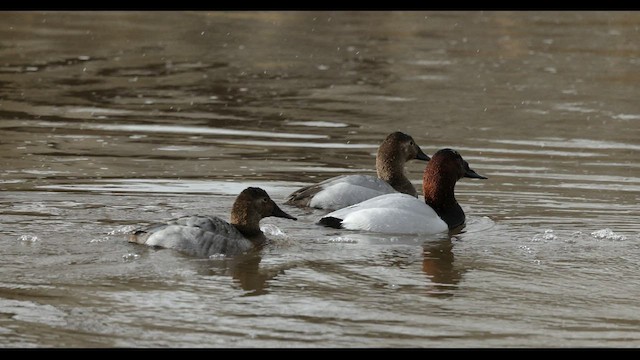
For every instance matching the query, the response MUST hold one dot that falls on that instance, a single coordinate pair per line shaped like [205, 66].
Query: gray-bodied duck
[203, 236]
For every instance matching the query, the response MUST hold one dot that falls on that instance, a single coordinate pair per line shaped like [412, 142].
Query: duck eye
[411, 143]
[265, 200]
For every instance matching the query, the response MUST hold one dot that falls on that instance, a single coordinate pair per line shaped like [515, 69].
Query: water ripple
[178, 129]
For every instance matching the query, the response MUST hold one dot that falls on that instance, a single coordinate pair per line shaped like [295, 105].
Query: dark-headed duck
[404, 214]
[203, 236]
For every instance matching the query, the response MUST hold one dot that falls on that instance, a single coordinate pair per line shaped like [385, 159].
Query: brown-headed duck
[203, 236]
[341, 191]
[404, 214]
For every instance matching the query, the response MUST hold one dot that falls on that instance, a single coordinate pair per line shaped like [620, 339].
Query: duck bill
[422, 156]
[277, 212]
[470, 173]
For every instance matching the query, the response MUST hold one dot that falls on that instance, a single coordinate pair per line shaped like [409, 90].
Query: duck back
[392, 213]
[340, 191]
[198, 235]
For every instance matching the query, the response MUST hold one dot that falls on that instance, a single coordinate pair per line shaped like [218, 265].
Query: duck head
[257, 202]
[393, 154]
[398, 145]
[252, 205]
[442, 172]
[449, 166]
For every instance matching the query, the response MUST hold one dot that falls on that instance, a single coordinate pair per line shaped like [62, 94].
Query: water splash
[130, 257]
[526, 249]
[121, 230]
[608, 234]
[574, 237]
[343, 240]
[272, 230]
[277, 237]
[28, 238]
[547, 236]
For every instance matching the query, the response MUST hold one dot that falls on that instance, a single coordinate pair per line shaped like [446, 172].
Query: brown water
[111, 120]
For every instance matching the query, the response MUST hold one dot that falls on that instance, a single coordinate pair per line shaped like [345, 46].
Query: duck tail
[330, 221]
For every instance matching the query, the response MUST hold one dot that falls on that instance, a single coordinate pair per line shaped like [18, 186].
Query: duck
[341, 191]
[400, 213]
[203, 235]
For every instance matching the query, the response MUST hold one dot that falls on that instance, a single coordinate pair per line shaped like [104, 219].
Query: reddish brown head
[444, 169]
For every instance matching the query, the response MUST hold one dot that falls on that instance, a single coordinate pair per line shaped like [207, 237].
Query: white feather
[347, 190]
[391, 213]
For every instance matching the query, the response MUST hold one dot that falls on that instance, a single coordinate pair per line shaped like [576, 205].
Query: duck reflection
[246, 271]
[438, 265]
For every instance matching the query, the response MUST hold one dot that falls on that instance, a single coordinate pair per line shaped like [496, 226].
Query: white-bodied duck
[341, 191]
[404, 214]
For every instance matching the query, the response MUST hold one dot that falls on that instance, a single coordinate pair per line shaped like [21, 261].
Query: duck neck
[439, 195]
[392, 171]
[248, 223]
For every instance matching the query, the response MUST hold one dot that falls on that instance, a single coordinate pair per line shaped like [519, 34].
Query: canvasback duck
[341, 191]
[203, 236]
[404, 214]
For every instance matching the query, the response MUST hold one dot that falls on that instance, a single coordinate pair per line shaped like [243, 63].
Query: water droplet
[343, 240]
[547, 236]
[130, 257]
[28, 238]
[126, 228]
[272, 230]
[607, 234]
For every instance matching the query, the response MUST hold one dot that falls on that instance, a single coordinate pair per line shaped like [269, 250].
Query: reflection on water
[438, 265]
[247, 272]
[115, 119]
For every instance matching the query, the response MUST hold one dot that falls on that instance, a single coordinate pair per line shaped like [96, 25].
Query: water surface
[111, 120]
